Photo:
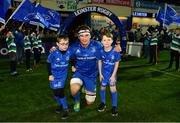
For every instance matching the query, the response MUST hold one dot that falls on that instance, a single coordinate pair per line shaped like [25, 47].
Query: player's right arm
[52, 49]
[72, 58]
[51, 77]
[100, 70]
[49, 60]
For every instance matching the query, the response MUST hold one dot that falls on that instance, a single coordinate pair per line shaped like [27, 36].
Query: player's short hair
[65, 37]
[107, 34]
[83, 27]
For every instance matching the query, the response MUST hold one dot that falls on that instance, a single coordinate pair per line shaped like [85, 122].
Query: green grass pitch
[145, 93]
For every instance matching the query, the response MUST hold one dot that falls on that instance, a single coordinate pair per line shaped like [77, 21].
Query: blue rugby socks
[77, 97]
[64, 102]
[114, 98]
[102, 94]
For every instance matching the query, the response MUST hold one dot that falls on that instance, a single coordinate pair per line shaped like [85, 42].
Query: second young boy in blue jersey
[58, 62]
[108, 65]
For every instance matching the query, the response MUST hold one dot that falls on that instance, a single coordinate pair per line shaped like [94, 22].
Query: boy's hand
[101, 77]
[51, 78]
[118, 48]
[73, 69]
[52, 49]
[112, 79]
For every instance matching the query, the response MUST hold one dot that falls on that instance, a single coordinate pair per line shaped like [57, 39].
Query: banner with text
[113, 2]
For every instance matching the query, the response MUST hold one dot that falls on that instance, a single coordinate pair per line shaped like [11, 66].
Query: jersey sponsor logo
[86, 58]
[61, 65]
[108, 63]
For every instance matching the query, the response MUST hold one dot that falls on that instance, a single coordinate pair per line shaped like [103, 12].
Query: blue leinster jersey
[86, 58]
[108, 61]
[59, 63]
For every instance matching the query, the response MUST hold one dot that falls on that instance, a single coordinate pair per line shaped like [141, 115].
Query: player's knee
[75, 85]
[113, 88]
[59, 92]
[73, 92]
[90, 98]
[103, 87]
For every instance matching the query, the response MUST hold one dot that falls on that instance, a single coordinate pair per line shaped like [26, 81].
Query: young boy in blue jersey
[108, 66]
[58, 62]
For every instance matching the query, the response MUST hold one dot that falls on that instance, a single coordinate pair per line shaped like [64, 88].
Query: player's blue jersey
[59, 63]
[108, 61]
[86, 58]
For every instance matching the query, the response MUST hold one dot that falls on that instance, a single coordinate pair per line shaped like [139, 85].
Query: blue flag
[170, 11]
[176, 19]
[172, 14]
[23, 10]
[4, 5]
[26, 12]
[167, 16]
[160, 15]
[36, 18]
[51, 16]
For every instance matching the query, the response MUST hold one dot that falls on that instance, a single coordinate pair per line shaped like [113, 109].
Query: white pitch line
[165, 72]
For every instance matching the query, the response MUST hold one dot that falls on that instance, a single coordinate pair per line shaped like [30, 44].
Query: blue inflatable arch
[100, 10]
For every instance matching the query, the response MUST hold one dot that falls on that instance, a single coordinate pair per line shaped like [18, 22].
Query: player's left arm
[72, 60]
[49, 61]
[100, 70]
